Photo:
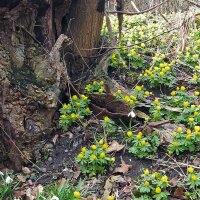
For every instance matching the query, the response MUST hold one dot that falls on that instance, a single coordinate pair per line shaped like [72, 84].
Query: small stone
[43, 169]
[26, 170]
[50, 159]
[48, 146]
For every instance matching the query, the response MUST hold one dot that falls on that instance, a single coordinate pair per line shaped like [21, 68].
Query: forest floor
[140, 137]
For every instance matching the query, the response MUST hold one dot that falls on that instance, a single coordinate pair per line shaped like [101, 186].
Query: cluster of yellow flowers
[94, 148]
[95, 87]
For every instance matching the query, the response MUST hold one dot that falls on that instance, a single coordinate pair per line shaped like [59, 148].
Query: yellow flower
[111, 197]
[113, 159]
[194, 178]
[106, 119]
[196, 113]
[195, 56]
[131, 102]
[161, 73]
[77, 194]
[100, 90]
[105, 146]
[158, 108]
[147, 183]
[87, 110]
[73, 116]
[173, 93]
[197, 128]
[174, 133]
[93, 147]
[63, 116]
[164, 179]
[156, 101]
[84, 149]
[146, 172]
[143, 45]
[147, 93]
[84, 97]
[195, 77]
[191, 119]
[190, 170]
[78, 104]
[101, 142]
[179, 130]
[196, 93]
[158, 190]
[143, 142]
[80, 155]
[129, 133]
[93, 157]
[188, 131]
[155, 174]
[182, 88]
[74, 97]
[101, 83]
[177, 89]
[102, 155]
[188, 137]
[94, 83]
[139, 136]
[65, 106]
[126, 99]
[187, 48]
[175, 144]
[193, 106]
[119, 92]
[185, 104]
[133, 98]
[138, 88]
[88, 87]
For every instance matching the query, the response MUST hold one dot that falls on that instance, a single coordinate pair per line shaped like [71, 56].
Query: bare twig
[137, 13]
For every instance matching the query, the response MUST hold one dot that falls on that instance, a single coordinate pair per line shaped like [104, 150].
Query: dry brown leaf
[173, 182]
[124, 168]
[109, 185]
[114, 146]
[69, 134]
[179, 192]
[173, 109]
[154, 124]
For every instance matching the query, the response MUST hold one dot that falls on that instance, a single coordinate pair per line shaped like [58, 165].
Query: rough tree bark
[32, 74]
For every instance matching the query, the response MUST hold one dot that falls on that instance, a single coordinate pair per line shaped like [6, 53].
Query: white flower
[54, 198]
[1, 173]
[132, 114]
[9, 180]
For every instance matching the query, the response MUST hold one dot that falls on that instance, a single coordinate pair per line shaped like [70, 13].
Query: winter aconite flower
[93, 147]
[84, 149]
[111, 197]
[146, 172]
[129, 134]
[102, 155]
[190, 170]
[164, 179]
[77, 194]
[194, 178]
[107, 119]
[147, 183]
[158, 190]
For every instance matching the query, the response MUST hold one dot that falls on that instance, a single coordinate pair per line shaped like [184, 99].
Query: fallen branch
[141, 12]
[194, 3]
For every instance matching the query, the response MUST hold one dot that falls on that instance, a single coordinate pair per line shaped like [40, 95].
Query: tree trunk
[32, 74]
